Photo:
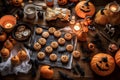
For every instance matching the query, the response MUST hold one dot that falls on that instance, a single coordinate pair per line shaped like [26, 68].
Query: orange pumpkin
[3, 36]
[22, 55]
[102, 64]
[117, 57]
[17, 2]
[46, 72]
[84, 9]
[62, 2]
[15, 60]
[8, 45]
[5, 52]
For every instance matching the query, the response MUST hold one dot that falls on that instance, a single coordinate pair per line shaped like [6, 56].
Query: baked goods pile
[62, 13]
[54, 46]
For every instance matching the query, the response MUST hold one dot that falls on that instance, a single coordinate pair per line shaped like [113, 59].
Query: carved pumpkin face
[117, 57]
[62, 2]
[84, 8]
[102, 64]
[17, 2]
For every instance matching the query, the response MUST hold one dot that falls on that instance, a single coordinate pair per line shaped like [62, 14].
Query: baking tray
[61, 50]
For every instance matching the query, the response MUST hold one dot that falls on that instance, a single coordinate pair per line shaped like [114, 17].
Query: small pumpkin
[102, 64]
[84, 9]
[15, 60]
[117, 57]
[8, 45]
[22, 55]
[17, 2]
[46, 72]
[5, 52]
[62, 2]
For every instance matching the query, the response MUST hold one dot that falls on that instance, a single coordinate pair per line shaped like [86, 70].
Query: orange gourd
[22, 55]
[117, 57]
[8, 45]
[102, 64]
[84, 9]
[3, 36]
[62, 2]
[15, 60]
[46, 72]
[5, 52]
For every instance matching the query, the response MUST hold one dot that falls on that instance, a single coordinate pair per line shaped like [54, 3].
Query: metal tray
[61, 50]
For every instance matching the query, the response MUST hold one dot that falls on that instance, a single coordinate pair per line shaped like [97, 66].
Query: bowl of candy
[21, 32]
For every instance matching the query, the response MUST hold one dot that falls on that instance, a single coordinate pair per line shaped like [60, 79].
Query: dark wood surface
[89, 75]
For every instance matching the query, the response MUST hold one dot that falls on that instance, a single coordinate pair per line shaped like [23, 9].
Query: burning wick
[8, 25]
[77, 27]
[113, 8]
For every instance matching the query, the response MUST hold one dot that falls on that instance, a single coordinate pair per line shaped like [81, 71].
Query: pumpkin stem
[87, 3]
[104, 59]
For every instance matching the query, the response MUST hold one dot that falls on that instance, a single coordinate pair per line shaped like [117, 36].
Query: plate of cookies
[53, 47]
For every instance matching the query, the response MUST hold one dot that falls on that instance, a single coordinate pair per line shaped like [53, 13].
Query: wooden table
[89, 75]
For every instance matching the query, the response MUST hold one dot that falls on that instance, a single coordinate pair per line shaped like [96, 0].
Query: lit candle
[77, 27]
[8, 25]
[113, 8]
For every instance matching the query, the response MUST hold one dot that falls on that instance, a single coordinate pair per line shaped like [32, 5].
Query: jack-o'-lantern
[117, 57]
[84, 9]
[8, 45]
[17, 2]
[74, 0]
[46, 72]
[62, 2]
[102, 64]
[15, 60]
[5, 52]
[22, 55]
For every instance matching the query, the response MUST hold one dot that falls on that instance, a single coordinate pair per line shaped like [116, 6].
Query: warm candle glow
[113, 8]
[8, 25]
[77, 27]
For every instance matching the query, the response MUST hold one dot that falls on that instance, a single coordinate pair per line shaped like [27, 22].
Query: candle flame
[77, 26]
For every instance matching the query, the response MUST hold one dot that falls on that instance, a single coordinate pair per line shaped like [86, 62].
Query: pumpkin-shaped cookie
[102, 64]
[117, 57]
[62, 2]
[84, 8]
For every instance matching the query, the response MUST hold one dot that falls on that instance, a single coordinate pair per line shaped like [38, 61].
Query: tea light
[77, 27]
[113, 8]
[8, 25]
